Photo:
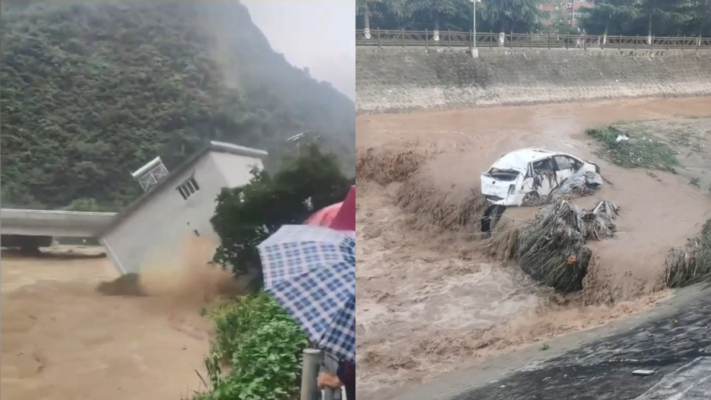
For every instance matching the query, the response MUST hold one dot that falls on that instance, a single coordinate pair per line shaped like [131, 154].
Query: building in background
[176, 205]
[567, 10]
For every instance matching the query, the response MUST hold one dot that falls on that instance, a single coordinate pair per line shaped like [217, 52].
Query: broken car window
[543, 165]
[504, 174]
[564, 162]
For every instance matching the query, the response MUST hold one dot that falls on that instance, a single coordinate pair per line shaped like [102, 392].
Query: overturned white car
[524, 177]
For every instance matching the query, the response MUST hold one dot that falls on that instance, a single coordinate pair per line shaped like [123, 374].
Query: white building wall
[156, 232]
[236, 170]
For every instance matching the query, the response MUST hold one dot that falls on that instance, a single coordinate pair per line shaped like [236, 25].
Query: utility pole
[475, 50]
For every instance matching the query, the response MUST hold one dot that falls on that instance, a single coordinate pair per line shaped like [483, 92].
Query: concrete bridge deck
[53, 222]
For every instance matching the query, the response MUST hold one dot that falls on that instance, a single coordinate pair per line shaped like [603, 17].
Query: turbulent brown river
[431, 302]
[62, 340]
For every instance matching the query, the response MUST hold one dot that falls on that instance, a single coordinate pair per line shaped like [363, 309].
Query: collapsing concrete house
[175, 205]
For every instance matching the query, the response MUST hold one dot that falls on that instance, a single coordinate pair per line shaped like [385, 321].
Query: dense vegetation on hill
[93, 90]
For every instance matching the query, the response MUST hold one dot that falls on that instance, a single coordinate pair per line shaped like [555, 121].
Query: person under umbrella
[345, 377]
[343, 220]
[310, 271]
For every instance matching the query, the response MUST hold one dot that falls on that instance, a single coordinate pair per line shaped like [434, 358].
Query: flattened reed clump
[451, 210]
[632, 151]
[552, 249]
[385, 167]
[692, 263]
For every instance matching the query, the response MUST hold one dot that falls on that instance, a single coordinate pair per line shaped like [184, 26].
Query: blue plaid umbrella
[310, 270]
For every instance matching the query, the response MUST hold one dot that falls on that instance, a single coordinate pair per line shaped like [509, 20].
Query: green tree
[435, 12]
[699, 21]
[559, 21]
[380, 14]
[670, 12]
[378, 9]
[93, 90]
[362, 10]
[14, 195]
[609, 14]
[260, 344]
[513, 15]
[247, 215]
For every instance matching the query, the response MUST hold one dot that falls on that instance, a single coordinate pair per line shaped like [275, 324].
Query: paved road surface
[677, 347]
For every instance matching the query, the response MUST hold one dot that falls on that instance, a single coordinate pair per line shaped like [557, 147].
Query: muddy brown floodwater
[431, 301]
[62, 340]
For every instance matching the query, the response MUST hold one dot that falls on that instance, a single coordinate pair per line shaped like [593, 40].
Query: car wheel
[531, 199]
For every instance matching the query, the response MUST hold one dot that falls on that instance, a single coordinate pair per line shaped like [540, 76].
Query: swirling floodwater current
[432, 299]
[62, 339]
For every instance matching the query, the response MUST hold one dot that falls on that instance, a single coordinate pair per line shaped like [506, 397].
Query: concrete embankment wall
[392, 79]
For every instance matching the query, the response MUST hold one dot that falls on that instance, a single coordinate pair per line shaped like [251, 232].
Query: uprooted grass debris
[552, 249]
[692, 263]
[629, 150]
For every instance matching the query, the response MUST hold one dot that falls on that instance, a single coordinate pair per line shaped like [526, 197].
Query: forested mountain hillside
[93, 90]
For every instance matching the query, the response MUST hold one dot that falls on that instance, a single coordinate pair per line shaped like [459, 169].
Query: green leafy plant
[513, 15]
[247, 215]
[637, 152]
[256, 352]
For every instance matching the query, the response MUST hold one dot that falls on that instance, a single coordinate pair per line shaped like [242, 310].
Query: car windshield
[504, 174]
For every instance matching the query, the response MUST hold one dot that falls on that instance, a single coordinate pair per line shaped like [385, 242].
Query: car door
[544, 176]
[566, 167]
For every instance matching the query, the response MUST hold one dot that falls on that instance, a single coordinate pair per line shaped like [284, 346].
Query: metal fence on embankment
[403, 38]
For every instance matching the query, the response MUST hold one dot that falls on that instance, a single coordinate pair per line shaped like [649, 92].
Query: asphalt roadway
[674, 342]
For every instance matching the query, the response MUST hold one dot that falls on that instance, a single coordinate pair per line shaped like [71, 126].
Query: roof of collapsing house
[219, 147]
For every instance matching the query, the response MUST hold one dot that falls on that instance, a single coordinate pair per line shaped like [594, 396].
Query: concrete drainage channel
[396, 79]
[671, 342]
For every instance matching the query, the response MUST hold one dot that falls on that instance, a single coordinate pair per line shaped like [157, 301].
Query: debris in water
[581, 183]
[643, 372]
[552, 249]
[125, 285]
[691, 264]
[599, 220]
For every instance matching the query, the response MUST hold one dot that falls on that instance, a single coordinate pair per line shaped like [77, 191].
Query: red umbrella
[340, 216]
[345, 219]
[324, 216]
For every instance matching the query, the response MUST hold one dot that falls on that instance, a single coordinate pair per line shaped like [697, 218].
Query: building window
[188, 188]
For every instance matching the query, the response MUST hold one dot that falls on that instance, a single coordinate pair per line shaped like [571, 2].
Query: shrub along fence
[403, 38]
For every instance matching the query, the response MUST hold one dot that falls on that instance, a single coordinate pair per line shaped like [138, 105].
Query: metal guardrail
[6, 206]
[403, 38]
